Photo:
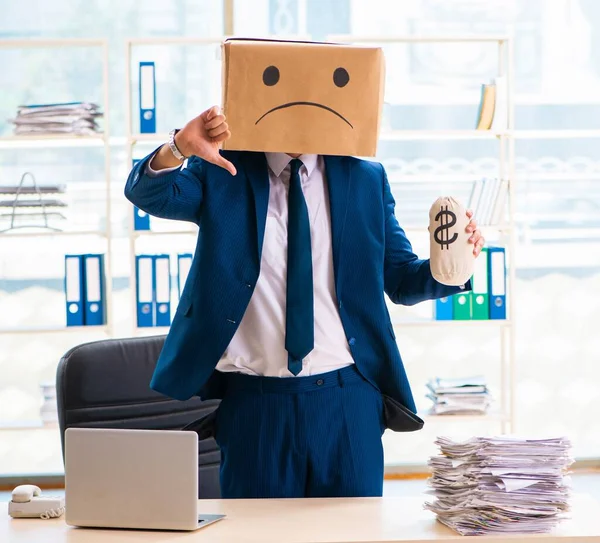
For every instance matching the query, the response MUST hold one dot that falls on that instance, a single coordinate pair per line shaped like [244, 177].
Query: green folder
[480, 293]
[461, 305]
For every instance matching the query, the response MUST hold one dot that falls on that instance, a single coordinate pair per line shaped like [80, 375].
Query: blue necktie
[299, 318]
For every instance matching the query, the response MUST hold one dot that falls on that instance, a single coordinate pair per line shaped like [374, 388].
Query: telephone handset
[28, 502]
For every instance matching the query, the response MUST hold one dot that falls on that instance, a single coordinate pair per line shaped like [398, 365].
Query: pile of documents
[504, 484]
[77, 118]
[459, 396]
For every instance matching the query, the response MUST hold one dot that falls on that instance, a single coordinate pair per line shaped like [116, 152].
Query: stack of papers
[502, 484]
[462, 396]
[78, 118]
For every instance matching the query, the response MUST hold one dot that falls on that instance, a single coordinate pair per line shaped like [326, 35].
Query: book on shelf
[493, 105]
[500, 120]
[487, 103]
[487, 298]
[487, 200]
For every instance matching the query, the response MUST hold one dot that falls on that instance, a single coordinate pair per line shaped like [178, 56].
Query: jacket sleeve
[176, 194]
[407, 279]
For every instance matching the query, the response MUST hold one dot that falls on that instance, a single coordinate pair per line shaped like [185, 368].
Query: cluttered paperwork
[69, 118]
[503, 484]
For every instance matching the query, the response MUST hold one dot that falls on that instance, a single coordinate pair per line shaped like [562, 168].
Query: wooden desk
[351, 520]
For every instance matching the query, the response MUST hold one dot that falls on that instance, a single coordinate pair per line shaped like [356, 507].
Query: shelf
[397, 324]
[182, 40]
[390, 135]
[555, 134]
[432, 135]
[17, 234]
[143, 233]
[411, 135]
[52, 42]
[133, 138]
[35, 424]
[411, 38]
[159, 330]
[53, 329]
[50, 141]
[495, 227]
[489, 323]
[499, 417]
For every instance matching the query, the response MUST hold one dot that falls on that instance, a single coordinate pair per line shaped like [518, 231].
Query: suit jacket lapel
[339, 180]
[256, 169]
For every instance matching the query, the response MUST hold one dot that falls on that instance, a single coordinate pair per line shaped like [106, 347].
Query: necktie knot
[295, 165]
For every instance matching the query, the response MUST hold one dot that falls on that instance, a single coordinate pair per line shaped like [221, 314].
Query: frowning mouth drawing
[314, 104]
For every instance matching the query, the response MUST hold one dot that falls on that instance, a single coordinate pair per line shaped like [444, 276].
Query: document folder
[480, 287]
[162, 290]
[74, 290]
[144, 290]
[443, 309]
[147, 98]
[462, 306]
[497, 282]
[95, 304]
[184, 263]
[141, 219]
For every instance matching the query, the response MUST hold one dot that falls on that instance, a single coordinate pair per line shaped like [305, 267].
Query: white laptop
[141, 479]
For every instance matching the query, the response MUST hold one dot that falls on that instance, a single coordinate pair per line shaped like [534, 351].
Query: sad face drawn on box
[271, 77]
[300, 97]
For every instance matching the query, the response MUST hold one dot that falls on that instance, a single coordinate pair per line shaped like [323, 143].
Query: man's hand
[201, 137]
[476, 238]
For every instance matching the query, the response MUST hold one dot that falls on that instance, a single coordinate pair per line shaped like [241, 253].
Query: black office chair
[105, 384]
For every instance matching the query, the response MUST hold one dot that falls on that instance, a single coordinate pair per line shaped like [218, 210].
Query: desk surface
[352, 520]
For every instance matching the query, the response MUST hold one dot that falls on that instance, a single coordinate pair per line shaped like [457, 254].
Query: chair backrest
[105, 384]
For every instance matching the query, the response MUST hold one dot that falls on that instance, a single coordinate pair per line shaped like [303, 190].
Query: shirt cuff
[150, 172]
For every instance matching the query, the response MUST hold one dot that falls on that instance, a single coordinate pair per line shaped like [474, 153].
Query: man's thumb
[224, 163]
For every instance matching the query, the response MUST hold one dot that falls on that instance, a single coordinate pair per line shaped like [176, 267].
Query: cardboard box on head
[302, 97]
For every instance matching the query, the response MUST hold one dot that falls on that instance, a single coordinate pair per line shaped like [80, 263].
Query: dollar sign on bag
[447, 220]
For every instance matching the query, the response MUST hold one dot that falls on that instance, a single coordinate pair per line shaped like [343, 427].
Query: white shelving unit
[8, 143]
[132, 139]
[506, 154]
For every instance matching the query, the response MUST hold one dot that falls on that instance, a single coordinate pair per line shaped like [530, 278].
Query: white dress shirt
[258, 346]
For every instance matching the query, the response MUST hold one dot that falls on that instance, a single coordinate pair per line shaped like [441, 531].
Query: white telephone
[28, 502]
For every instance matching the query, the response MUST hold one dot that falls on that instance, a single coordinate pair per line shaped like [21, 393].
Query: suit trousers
[291, 437]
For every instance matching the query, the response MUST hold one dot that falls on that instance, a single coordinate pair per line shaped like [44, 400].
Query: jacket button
[320, 382]
[249, 285]
[351, 341]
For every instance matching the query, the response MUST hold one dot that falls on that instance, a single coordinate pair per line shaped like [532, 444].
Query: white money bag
[451, 255]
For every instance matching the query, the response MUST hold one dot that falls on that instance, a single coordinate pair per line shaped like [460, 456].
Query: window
[428, 87]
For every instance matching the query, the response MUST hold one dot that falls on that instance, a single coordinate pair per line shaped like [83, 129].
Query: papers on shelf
[468, 396]
[500, 484]
[78, 118]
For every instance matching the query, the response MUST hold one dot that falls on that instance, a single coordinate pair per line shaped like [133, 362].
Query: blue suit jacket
[371, 255]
